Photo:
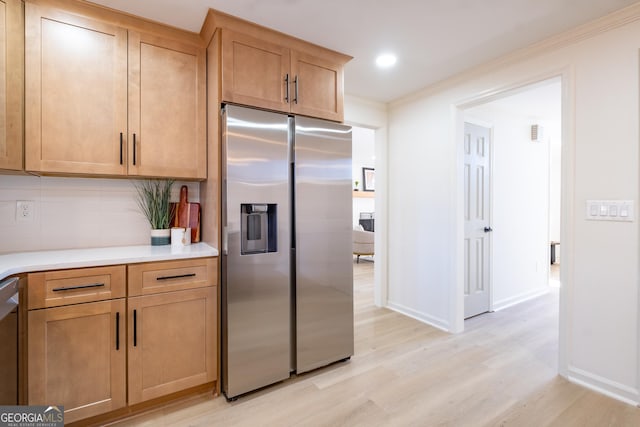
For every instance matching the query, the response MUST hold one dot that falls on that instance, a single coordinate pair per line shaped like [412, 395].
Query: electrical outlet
[25, 210]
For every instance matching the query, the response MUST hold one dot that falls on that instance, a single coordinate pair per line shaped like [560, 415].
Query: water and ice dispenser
[259, 228]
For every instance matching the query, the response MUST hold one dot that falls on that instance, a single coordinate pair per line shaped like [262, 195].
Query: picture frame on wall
[368, 179]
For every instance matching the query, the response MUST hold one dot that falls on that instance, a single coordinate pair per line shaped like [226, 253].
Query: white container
[180, 237]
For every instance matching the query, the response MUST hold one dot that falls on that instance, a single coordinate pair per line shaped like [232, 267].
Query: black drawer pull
[134, 149]
[181, 276]
[117, 330]
[286, 85]
[135, 328]
[121, 145]
[73, 288]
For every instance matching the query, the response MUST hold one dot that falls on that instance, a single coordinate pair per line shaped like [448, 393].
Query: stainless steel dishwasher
[9, 339]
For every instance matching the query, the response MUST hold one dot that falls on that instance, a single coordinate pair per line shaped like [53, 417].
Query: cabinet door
[254, 72]
[9, 359]
[77, 358]
[318, 88]
[172, 340]
[75, 90]
[167, 108]
[11, 84]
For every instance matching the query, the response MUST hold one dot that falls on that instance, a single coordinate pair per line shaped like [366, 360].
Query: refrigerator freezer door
[255, 286]
[324, 261]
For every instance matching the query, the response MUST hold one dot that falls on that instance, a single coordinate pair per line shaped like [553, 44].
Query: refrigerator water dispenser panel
[258, 227]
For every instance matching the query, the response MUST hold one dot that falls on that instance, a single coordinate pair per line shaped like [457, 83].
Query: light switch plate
[610, 210]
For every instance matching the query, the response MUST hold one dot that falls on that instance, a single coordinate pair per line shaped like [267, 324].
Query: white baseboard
[422, 317]
[604, 386]
[517, 299]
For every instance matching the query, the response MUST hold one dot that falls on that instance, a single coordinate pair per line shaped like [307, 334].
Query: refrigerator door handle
[225, 240]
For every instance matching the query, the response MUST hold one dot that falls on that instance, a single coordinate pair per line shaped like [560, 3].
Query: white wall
[363, 155]
[520, 241]
[74, 213]
[599, 271]
[554, 130]
[363, 152]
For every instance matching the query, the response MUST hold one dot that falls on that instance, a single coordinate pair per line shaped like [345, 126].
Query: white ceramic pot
[160, 237]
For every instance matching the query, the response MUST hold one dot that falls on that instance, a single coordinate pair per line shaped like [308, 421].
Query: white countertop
[25, 262]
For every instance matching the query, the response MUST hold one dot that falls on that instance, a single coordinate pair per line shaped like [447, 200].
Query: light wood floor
[500, 371]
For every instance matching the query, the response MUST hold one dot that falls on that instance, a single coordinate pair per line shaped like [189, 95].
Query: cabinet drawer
[157, 277]
[64, 287]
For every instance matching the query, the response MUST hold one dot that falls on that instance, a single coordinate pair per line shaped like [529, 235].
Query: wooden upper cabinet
[11, 84]
[255, 72]
[268, 73]
[167, 108]
[317, 87]
[76, 94]
[107, 100]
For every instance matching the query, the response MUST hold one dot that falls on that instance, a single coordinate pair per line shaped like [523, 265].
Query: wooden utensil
[187, 214]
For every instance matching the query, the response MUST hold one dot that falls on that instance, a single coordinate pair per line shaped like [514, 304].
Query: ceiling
[433, 39]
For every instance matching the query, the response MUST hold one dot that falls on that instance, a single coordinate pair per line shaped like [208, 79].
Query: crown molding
[382, 106]
[617, 19]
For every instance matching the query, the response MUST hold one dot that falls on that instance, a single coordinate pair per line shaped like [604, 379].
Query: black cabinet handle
[117, 330]
[295, 82]
[121, 145]
[135, 328]
[73, 288]
[134, 149]
[286, 85]
[181, 276]
[488, 229]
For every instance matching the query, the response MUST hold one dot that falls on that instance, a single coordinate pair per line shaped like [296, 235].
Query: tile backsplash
[74, 213]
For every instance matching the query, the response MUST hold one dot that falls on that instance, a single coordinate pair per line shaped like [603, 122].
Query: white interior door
[477, 175]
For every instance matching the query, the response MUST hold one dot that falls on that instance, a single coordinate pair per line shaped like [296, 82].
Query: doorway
[525, 191]
[364, 212]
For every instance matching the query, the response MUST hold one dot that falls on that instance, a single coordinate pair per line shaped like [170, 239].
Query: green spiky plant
[154, 202]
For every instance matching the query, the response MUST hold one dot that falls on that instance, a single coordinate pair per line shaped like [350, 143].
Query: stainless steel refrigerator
[287, 273]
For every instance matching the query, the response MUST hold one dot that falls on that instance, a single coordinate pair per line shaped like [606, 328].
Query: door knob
[488, 229]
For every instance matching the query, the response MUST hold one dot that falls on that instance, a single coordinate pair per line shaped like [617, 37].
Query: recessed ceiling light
[386, 60]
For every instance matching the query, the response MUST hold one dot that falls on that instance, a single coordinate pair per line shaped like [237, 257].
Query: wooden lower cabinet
[77, 358]
[171, 342]
[94, 350]
[9, 359]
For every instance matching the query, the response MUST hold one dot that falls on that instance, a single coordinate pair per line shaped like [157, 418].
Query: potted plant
[357, 186]
[153, 200]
